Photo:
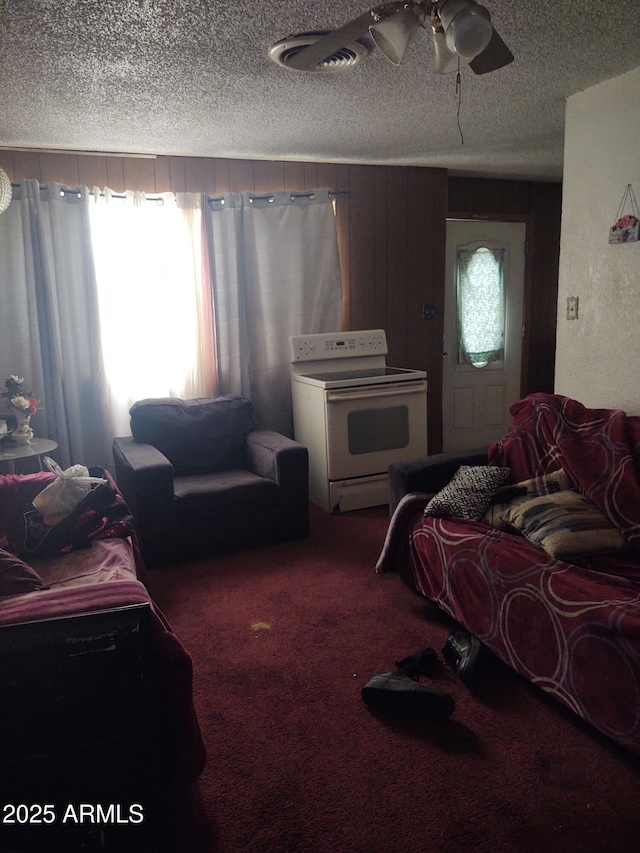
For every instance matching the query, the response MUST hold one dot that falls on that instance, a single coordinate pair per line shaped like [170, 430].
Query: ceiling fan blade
[495, 55]
[309, 57]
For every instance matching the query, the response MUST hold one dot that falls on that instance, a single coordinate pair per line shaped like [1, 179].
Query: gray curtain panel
[276, 273]
[49, 326]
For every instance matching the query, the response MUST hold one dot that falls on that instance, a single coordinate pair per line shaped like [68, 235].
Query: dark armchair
[201, 479]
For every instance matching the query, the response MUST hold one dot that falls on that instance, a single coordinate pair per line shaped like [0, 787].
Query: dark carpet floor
[283, 639]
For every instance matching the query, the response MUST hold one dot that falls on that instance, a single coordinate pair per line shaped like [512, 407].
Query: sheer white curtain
[276, 273]
[154, 299]
[481, 305]
[48, 324]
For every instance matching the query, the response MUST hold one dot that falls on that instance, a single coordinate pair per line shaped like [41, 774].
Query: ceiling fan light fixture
[467, 27]
[446, 62]
[393, 31]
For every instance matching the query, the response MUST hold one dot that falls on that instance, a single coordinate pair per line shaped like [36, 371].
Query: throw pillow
[508, 496]
[566, 525]
[469, 492]
[17, 577]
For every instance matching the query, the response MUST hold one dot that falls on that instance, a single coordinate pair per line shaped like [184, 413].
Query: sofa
[90, 669]
[202, 479]
[532, 545]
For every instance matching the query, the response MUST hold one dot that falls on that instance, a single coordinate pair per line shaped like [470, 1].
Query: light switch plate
[572, 307]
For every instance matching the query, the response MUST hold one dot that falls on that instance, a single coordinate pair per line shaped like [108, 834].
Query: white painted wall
[598, 355]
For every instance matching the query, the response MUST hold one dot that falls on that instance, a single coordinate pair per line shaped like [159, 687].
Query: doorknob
[445, 355]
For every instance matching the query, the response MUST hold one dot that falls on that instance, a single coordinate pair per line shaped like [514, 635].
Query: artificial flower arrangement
[18, 398]
[23, 404]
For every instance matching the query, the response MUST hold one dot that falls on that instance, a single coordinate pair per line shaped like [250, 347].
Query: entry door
[481, 361]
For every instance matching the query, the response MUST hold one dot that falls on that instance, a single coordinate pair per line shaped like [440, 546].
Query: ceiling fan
[462, 34]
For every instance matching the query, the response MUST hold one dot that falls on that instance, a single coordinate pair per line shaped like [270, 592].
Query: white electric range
[355, 415]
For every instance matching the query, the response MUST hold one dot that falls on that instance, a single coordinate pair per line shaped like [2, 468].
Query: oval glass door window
[481, 305]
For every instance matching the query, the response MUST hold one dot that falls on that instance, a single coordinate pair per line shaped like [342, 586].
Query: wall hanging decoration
[626, 228]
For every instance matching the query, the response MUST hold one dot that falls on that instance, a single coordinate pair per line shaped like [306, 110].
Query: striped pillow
[566, 525]
[508, 496]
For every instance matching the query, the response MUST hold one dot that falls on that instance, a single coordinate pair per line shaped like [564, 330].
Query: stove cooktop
[370, 373]
[363, 376]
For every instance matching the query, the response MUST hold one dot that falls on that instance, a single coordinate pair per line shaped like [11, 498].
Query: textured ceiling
[193, 77]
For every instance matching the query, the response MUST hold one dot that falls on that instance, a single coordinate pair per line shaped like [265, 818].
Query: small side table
[36, 447]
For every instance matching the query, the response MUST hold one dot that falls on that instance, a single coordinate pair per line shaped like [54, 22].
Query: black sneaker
[461, 651]
[398, 692]
[424, 662]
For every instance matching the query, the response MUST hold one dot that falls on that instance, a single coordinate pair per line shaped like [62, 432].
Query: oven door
[371, 426]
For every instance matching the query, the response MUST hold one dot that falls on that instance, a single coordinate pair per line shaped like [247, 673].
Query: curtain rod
[77, 191]
[308, 194]
[305, 194]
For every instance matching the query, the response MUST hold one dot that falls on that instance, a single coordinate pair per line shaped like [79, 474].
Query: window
[148, 263]
[481, 305]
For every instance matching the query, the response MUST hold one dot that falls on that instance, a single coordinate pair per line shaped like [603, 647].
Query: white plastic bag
[57, 500]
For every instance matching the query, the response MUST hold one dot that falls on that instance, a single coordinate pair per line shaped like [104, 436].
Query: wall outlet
[572, 307]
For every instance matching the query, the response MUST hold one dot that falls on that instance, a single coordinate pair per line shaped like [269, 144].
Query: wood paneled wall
[391, 229]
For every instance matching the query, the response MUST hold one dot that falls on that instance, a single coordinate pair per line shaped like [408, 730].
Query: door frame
[527, 295]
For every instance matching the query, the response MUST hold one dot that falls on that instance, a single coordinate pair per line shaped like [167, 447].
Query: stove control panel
[330, 345]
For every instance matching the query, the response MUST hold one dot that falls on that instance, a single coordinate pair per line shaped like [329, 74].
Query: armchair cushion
[197, 436]
[223, 492]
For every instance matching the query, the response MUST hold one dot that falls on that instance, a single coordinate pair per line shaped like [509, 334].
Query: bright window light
[148, 269]
[481, 306]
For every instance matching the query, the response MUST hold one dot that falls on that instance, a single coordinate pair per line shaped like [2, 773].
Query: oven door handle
[378, 394]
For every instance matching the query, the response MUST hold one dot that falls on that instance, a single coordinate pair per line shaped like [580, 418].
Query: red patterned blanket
[105, 575]
[599, 450]
[574, 630]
